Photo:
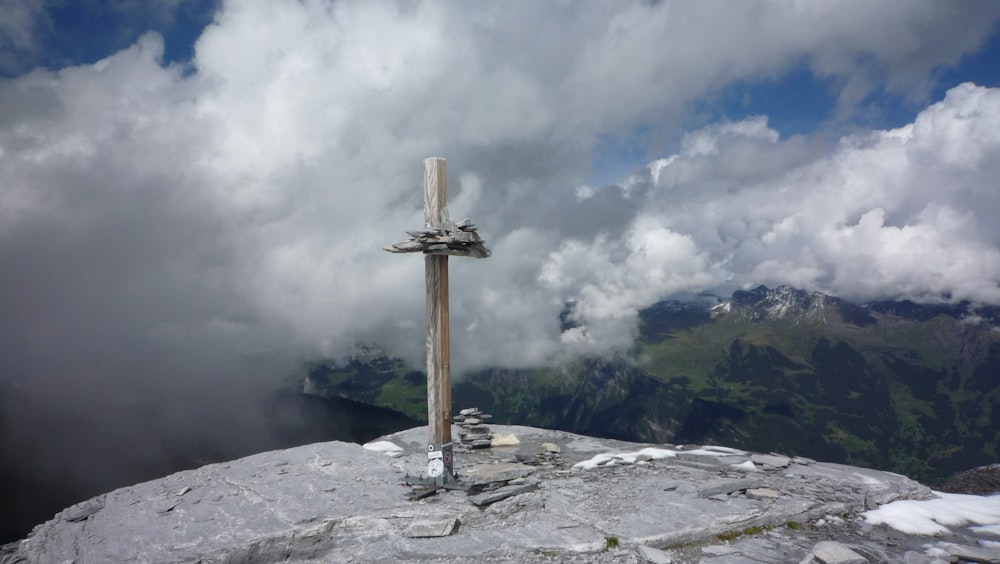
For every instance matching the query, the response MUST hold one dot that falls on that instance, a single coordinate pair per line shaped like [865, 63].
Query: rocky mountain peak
[544, 496]
[785, 302]
[816, 308]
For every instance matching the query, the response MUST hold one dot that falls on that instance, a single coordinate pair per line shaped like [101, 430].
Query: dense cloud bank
[905, 213]
[174, 237]
[236, 208]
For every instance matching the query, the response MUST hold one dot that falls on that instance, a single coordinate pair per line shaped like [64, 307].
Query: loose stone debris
[543, 500]
[450, 239]
[502, 493]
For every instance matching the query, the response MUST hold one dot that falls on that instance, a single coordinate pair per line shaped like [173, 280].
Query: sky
[193, 188]
[194, 194]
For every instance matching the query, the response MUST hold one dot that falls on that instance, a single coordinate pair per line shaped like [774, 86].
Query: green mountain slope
[894, 385]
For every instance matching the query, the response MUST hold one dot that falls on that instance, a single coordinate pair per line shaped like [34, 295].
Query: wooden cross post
[440, 238]
[438, 330]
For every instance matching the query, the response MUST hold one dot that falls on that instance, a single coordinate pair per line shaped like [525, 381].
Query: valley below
[900, 386]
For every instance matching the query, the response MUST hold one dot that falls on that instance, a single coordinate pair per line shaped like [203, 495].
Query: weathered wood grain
[439, 238]
[438, 330]
[435, 192]
[438, 350]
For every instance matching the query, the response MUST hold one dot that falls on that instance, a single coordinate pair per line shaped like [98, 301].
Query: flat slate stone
[83, 510]
[654, 555]
[971, 553]
[700, 463]
[726, 487]
[501, 472]
[832, 552]
[426, 528]
[771, 460]
[766, 494]
[911, 557]
[498, 494]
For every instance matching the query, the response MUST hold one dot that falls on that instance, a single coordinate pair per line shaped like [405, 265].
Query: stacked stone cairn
[473, 433]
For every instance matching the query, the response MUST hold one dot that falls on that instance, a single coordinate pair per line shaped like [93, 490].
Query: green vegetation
[899, 387]
[375, 379]
[733, 535]
[610, 543]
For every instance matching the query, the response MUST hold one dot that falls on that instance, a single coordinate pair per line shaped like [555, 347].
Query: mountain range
[895, 385]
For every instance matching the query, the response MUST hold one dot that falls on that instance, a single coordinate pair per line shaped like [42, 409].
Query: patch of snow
[987, 530]
[595, 461]
[746, 466]
[934, 516]
[724, 450]
[704, 452]
[611, 459]
[724, 307]
[778, 309]
[655, 453]
[386, 447]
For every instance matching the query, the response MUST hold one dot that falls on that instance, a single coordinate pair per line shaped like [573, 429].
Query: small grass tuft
[733, 535]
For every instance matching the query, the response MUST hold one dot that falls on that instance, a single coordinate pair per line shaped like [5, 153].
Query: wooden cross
[439, 238]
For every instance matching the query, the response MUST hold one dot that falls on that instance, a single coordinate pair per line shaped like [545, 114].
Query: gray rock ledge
[337, 502]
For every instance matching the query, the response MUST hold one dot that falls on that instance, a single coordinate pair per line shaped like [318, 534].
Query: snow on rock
[386, 447]
[610, 459]
[723, 450]
[987, 530]
[934, 516]
[746, 466]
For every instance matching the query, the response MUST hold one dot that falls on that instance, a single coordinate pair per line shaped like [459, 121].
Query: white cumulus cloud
[239, 206]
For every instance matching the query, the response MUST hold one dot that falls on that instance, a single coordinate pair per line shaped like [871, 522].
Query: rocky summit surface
[553, 496]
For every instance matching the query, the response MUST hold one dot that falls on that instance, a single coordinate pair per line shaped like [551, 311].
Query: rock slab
[427, 528]
[832, 552]
[337, 502]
